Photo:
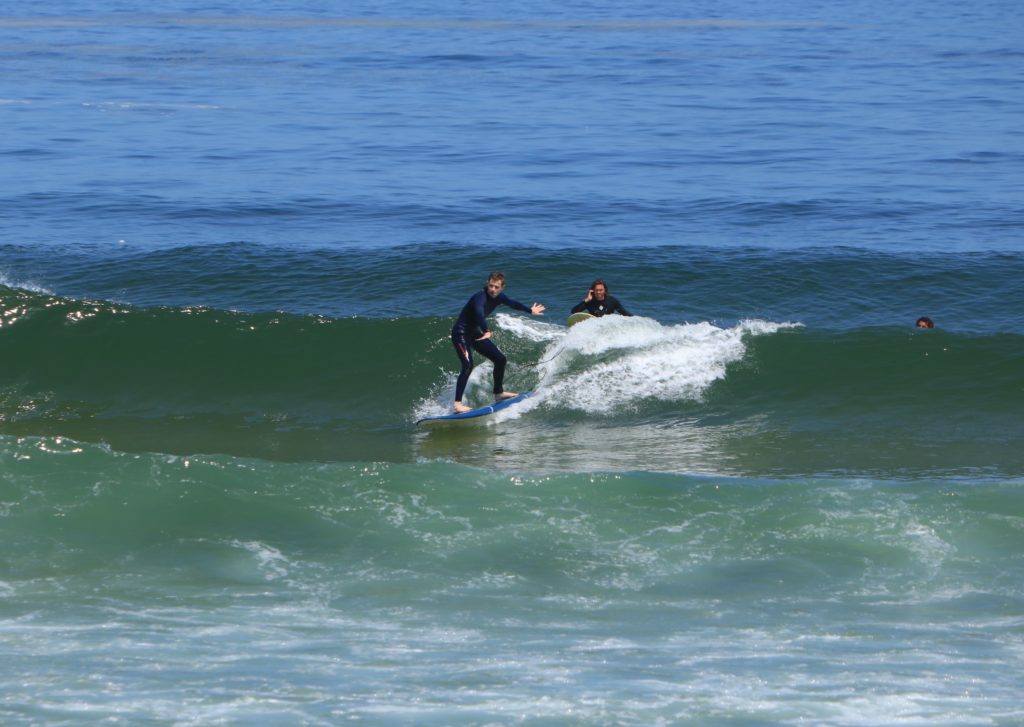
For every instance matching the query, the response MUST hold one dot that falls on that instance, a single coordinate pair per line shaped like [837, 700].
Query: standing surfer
[471, 331]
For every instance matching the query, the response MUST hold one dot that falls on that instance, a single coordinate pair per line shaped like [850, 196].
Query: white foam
[616, 362]
[23, 285]
[532, 329]
[439, 402]
[613, 363]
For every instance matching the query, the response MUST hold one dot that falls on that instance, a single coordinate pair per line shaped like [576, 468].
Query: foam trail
[617, 362]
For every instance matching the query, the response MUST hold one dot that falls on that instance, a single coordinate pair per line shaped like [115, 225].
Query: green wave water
[757, 398]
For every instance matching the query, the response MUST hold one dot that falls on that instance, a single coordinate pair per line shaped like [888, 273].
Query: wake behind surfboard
[473, 416]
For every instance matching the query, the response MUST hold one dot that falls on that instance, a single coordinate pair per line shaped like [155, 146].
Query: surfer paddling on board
[471, 332]
[599, 303]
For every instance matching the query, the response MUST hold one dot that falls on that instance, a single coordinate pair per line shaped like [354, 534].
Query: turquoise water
[227, 590]
[232, 246]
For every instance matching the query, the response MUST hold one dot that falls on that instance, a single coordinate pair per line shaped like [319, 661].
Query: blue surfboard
[473, 416]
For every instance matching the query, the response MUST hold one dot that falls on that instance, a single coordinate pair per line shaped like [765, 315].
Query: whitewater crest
[615, 362]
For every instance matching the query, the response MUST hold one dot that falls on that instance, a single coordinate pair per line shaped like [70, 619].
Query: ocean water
[232, 244]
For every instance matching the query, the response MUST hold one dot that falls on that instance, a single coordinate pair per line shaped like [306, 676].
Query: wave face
[753, 398]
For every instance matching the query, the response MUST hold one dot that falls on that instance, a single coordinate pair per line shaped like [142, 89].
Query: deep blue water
[886, 128]
[232, 241]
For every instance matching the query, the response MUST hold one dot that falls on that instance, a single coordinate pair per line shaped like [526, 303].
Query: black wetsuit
[599, 308]
[471, 325]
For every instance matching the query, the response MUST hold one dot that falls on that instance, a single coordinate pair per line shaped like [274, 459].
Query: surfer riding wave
[470, 333]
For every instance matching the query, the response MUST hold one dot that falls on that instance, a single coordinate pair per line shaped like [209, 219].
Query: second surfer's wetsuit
[471, 324]
[599, 308]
